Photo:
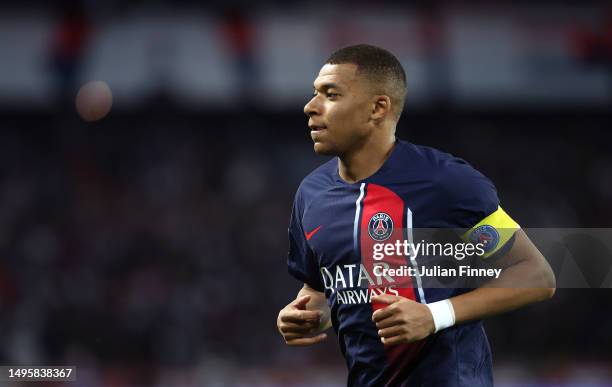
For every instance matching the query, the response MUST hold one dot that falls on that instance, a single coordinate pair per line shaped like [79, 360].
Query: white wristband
[443, 314]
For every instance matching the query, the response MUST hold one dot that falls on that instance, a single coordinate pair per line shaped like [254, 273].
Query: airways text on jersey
[355, 285]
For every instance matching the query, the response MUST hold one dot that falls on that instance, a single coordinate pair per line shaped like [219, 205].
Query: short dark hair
[380, 66]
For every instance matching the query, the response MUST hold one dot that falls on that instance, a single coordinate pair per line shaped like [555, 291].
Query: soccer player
[377, 189]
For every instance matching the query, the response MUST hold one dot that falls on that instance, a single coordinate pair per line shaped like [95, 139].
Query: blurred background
[147, 246]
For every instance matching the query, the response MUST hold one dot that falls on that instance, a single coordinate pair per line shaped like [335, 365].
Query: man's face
[339, 112]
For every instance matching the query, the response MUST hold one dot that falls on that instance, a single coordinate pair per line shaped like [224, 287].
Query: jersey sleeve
[301, 261]
[473, 206]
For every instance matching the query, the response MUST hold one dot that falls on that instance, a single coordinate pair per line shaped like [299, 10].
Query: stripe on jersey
[380, 199]
[413, 262]
[356, 222]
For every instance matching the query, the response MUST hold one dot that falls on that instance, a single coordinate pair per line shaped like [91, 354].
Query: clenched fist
[402, 321]
[298, 325]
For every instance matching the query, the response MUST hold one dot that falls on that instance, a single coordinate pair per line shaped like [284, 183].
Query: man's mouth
[316, 128]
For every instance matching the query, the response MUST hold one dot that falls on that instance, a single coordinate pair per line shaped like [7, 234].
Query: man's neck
[364, 162]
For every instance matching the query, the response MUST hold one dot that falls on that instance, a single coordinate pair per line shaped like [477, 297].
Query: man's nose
[311, 107]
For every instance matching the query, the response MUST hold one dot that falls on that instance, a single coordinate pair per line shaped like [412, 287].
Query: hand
[297, 325]
[402, 321]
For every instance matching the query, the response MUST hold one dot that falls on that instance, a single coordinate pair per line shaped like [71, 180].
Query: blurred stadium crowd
[149, 248]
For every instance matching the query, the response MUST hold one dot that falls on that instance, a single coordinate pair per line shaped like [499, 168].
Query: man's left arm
[525, 278]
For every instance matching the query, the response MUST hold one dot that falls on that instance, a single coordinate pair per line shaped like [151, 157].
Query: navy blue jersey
[333, 227]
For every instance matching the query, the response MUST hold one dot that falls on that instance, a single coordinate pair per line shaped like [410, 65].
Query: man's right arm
[304, 320]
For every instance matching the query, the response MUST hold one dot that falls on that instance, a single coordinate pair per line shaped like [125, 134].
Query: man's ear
[381, 107]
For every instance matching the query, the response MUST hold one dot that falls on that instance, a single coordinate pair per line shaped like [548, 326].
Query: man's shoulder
[447, 173]
[462, 194]
[441, 167]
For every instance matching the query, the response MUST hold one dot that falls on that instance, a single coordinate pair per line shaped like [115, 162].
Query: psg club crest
[380, 226]
[487, 235]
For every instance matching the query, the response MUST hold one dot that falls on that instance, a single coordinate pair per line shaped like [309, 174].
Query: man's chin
[324, 149]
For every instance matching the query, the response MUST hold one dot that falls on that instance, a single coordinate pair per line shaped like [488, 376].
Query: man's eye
[332, 95]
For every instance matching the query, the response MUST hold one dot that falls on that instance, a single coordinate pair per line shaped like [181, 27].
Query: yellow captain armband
[493, 232]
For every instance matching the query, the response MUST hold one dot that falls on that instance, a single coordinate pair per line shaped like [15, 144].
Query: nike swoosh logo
[310, 234]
